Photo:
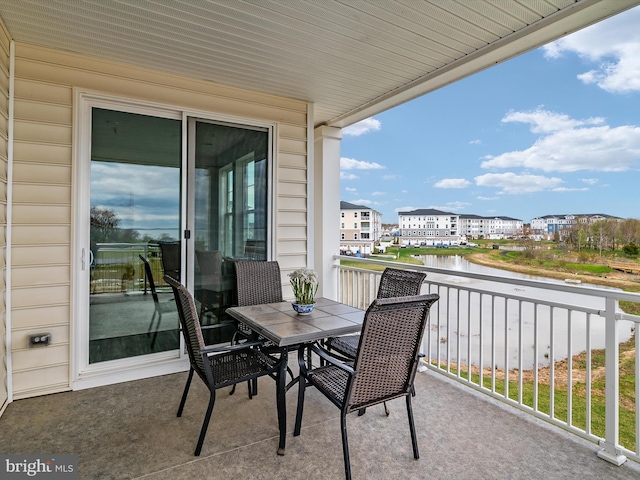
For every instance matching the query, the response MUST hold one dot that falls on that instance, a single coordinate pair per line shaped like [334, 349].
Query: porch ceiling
[351, 58]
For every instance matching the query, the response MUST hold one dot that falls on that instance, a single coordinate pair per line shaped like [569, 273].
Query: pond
[564, 329]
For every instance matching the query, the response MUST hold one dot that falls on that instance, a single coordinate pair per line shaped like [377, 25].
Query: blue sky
[553, 131]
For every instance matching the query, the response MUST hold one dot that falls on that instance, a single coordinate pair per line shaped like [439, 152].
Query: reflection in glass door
[135, 210]
[230, 208]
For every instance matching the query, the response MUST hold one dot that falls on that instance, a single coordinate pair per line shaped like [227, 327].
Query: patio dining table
[279, 323]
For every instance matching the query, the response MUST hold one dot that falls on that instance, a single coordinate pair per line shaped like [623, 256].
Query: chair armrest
[333, 360]
[334, 354]
[225, 323]
[230, 348]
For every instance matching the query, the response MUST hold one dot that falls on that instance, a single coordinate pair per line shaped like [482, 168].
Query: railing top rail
[542, 284]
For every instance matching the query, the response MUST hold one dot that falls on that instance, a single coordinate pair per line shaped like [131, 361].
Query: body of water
[508, 327]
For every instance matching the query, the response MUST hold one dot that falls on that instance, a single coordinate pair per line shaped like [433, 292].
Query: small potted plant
[304, 282]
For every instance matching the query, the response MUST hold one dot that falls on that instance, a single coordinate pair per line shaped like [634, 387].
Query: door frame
[84, 375]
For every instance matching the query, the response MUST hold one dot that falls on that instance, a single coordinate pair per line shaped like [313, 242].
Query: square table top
[279, 323]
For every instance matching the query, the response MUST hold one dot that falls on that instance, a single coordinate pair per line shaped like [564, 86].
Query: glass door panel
[135, 210]
[230, 208]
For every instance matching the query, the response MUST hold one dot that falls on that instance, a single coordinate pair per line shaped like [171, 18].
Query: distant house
[429, 226]
[360, 228]
[494, 228]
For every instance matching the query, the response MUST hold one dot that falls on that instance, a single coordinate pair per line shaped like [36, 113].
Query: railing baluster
[506, 347]
[610, 452]
[569, 369]
[552, 366]
[588, 375]
[469, 336]
[458, 335]
[520, 350]
[536, 353]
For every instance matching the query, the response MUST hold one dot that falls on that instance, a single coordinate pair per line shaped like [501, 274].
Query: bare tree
[104, 223]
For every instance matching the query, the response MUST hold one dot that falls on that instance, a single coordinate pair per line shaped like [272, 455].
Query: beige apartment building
[360, 228]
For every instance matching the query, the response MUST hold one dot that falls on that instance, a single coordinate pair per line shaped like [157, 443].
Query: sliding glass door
[230, 207]
[168, 195]
[134, 207]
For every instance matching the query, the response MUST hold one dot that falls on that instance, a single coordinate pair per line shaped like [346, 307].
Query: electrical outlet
[39, 339]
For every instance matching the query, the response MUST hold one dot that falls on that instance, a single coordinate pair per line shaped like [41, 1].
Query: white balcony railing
[556, 343]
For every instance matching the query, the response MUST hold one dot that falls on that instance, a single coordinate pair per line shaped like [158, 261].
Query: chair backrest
[171, 258]
[258, 282]
[388, 353]
[149, 275]
[400, 283]
[190, 325]
[210, 263]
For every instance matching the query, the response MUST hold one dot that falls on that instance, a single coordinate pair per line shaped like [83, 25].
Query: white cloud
[512, 183]
[452, 183]
[571, 145]
[475, 142]
[377, 194]
[590, 181]
[351, 189]
[450, 206]
[613, 45]
[488, 198]
[363, 201]
[353, 164]
[544, 121]
[405, 191]
[570, 189]
[363, 126]
[390, 177]
[347, 176]
[406, 209]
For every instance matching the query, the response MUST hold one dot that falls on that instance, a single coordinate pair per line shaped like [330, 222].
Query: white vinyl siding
[44, 192]
[4, 160]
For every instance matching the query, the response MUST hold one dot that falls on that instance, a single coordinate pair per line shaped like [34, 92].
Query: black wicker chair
[160, 308]
[170, 258]
[216, 285]
[393, 283]
[385, 364]
[217, 366]
[257, 282]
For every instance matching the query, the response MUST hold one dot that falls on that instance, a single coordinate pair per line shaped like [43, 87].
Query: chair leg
[153, 319]
[302, 384]
[412, 428]
[155, 334]
[386, 409]
[184, 393]
[205, 423]
[345, 446]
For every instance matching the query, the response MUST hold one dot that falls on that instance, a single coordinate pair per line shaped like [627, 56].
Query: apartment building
[429, 226]
[549, 225]
[493, 228]
[360, 228]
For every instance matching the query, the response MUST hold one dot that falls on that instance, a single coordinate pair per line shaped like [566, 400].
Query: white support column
[326, 202]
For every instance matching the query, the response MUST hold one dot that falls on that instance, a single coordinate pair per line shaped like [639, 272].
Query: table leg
[281, 392]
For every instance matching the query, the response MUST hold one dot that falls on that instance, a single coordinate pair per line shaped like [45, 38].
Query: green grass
[627, 381]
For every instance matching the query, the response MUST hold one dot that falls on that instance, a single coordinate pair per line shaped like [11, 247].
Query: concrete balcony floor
[130, 430]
